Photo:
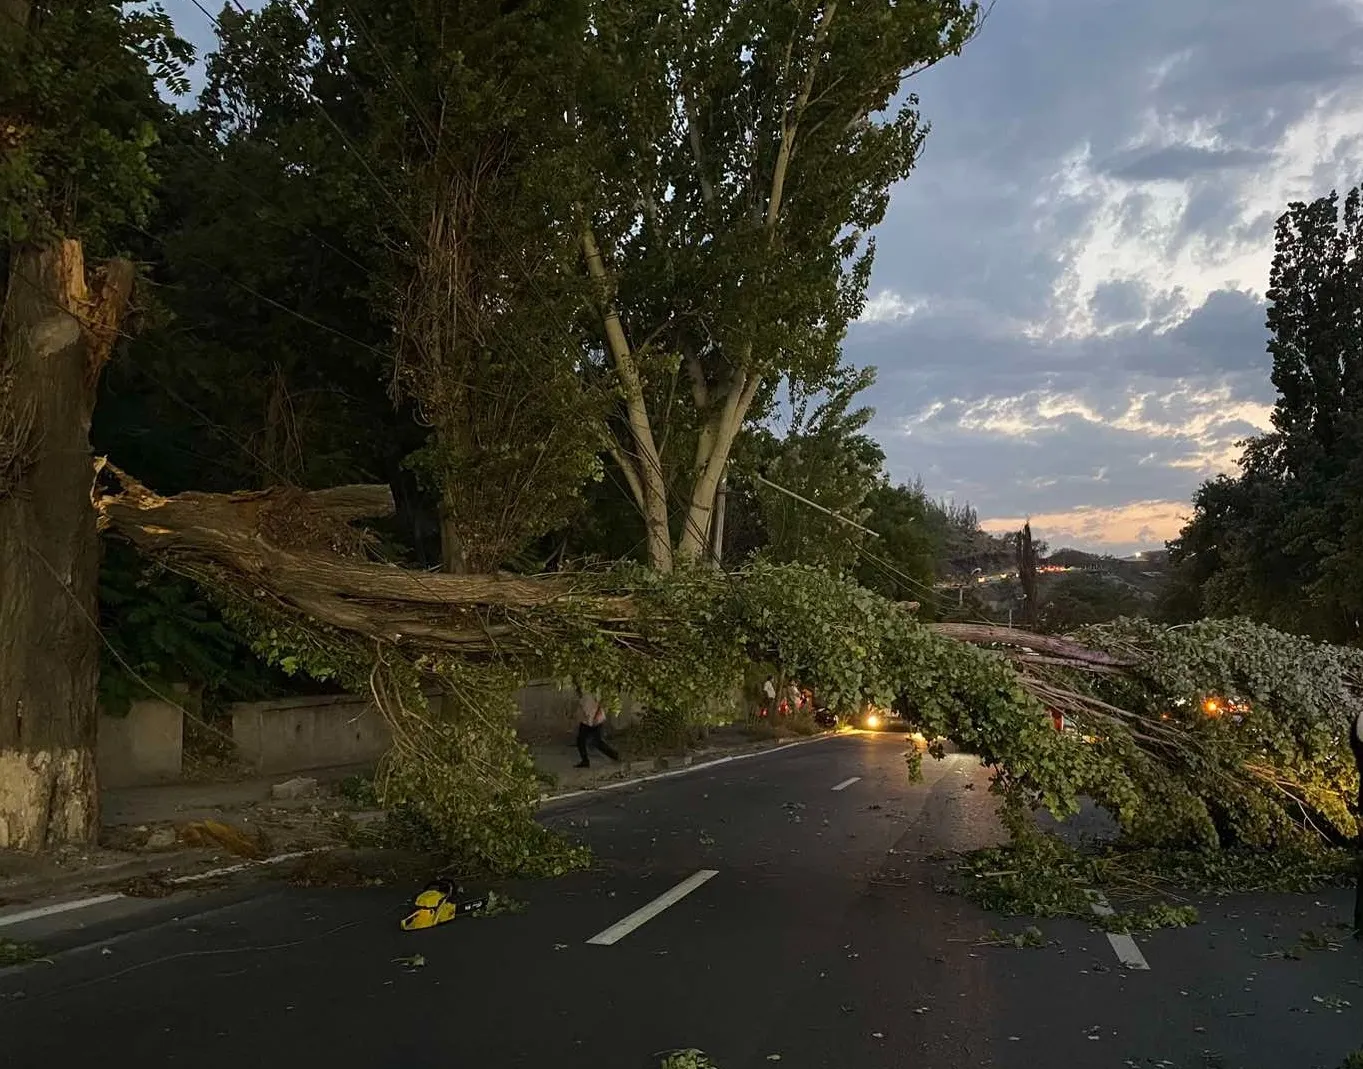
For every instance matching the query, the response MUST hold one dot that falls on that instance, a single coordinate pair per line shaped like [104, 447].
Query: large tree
[1283, 542]
[371, 244]
[78, 86]
[743, 152]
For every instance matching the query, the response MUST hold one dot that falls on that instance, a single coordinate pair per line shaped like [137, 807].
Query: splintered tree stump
[55, 336]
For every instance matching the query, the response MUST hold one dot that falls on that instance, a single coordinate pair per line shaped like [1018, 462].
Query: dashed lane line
[1128, 953]
[644, 914]
[847, 783]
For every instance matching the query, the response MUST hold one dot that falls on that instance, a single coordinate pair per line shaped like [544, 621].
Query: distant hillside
[1145, 574]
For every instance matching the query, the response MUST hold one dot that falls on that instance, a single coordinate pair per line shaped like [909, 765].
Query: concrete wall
[141, 748]
[296, 734]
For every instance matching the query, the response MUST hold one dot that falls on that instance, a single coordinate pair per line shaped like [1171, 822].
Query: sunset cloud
[1113, 530]
[1088, 239]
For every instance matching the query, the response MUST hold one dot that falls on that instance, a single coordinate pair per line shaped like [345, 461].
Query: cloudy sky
[1067, 304]
[1067, 308]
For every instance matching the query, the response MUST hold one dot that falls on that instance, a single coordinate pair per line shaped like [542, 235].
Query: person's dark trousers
[592, 733]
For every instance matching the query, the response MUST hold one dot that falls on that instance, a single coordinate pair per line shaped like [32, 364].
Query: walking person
[768, 697]
[591, 718]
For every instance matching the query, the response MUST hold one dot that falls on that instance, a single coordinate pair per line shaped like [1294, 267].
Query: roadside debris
[214, 833]
[161, 839]
[293, 789]
[1031, 936]
[691, 1059]
[12, 953]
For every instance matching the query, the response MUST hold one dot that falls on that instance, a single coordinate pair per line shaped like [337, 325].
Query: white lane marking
[644, 914]
[847, 783]
[56, 907]
[550, 799]
[243, 867]
[1128, 953]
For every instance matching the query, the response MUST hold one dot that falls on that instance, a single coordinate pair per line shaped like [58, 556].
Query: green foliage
[1276, 774]
[1354, 1060]
[159, 631]
[359, 791]
[690, 235]
[457, 778]
[1264, 776]
[1040, 875]
[1149, 919]
[78, 85]
[825, 458]
[1029, 937]
[687, 1059]
[904, 565]
[1291, 523]
[12, 953]
[1080, 599]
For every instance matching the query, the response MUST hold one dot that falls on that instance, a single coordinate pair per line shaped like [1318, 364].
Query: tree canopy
[524, 285]
[1282, 541]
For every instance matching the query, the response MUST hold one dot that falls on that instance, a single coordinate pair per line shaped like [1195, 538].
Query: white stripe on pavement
[846, 783]
[644, 914]
[615, 785]
[1128, 953]
[55, 908]
[39, 912]
[228, 870]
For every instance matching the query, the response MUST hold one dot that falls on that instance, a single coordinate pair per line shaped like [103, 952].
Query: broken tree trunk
[55, 335]
[295, 546]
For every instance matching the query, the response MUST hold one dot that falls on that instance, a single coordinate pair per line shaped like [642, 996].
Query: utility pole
[717, 526]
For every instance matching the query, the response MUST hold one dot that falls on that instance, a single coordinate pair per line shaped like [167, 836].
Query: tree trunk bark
[694, 540]
[453, 553]
[717, 534]
[642, 462]
[54, 339]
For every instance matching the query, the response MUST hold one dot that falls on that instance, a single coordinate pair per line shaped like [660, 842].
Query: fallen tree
[293, 576]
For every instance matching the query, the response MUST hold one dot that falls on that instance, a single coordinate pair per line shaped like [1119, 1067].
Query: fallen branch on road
[296, 578]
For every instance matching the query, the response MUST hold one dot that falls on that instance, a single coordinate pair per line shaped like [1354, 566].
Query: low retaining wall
[299, 734]
[142, 747]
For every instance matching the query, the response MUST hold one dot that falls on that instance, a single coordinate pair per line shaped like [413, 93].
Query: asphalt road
[819, 940]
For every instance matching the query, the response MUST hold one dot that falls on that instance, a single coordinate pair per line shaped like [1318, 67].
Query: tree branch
[790, 120]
